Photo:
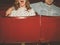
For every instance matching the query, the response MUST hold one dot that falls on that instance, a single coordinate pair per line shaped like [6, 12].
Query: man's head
[49, 2]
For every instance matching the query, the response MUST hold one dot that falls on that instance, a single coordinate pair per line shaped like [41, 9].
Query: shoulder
[36, 4]
[55, 7]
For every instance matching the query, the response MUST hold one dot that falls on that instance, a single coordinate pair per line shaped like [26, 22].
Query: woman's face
[49, 2]
[22, 2]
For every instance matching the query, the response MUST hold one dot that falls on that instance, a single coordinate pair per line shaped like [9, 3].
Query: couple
[21, 8]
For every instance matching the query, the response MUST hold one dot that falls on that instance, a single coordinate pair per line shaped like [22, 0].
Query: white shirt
[44, 9]
[22, 12]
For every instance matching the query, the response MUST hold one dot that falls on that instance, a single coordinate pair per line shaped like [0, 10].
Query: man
[47, 8]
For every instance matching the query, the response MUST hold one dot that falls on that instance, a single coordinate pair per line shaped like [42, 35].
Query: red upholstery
[31, 29]
[50, 28]
[20, 30]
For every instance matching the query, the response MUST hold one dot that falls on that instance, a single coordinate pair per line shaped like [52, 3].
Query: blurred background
[4, 4]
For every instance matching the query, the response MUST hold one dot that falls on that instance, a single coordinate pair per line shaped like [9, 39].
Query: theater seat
[30, 29]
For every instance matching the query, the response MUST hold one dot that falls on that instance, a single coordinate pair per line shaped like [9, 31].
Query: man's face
[49, 2]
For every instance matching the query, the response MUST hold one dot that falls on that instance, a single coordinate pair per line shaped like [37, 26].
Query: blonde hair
[17, 5]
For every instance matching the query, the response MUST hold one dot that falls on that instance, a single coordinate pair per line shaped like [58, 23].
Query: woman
[21, 8]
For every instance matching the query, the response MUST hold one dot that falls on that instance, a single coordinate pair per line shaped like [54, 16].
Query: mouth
[21, 1]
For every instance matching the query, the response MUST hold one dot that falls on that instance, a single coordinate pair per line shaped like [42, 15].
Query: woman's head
[49, 2]
[22, 3]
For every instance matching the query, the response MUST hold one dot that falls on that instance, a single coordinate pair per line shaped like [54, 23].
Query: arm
[8, 12]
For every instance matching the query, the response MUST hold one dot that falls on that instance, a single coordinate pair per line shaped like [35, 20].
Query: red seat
[20, 30]
[31, 29]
